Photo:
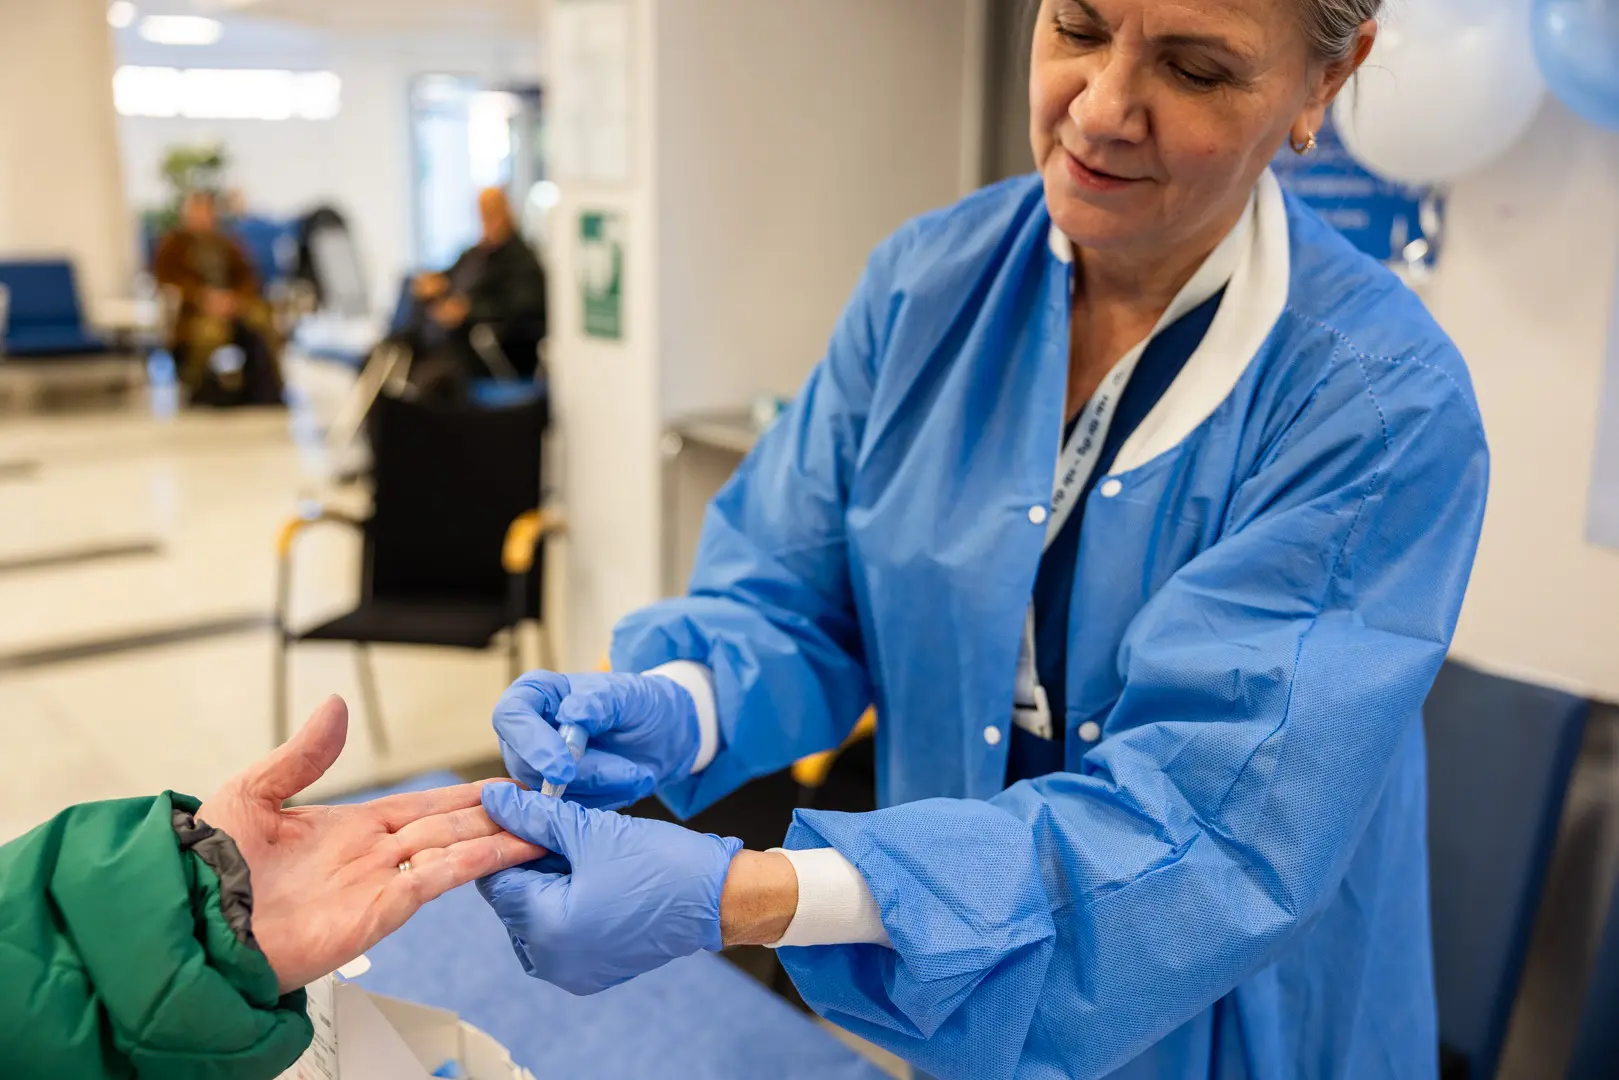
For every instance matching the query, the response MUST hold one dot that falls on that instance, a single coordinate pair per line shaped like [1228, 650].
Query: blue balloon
[1577, 43]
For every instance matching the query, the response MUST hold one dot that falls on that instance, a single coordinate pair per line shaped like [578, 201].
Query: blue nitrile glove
[643, 734]
[619, 897]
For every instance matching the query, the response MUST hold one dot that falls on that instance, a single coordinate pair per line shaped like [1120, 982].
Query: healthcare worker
[1149, 741]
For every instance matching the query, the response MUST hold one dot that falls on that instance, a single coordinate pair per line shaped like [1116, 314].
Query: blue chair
[45, 318]
[1500, 754]
[265, 240]
[1596, 1047]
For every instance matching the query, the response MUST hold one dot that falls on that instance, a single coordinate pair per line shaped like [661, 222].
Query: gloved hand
[639, 893]
[643, 734]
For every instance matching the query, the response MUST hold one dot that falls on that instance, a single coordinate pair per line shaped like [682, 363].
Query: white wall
[60, 191]
[1531, 250]
[605, 393]
[359, 161]
[776, 144]
[781, 167]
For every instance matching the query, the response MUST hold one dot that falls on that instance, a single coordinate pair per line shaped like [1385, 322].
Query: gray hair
[1332, 26]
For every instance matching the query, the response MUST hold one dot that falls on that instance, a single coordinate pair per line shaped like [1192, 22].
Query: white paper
[591, 129]
[360, 1036]
[433, 1036]
[319, 1062]
[370, 1048]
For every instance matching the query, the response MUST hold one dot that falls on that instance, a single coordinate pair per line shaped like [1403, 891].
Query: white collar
[1257, 286]
[1215, 273]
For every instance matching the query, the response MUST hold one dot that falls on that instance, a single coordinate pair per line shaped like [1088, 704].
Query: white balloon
[1449, 87]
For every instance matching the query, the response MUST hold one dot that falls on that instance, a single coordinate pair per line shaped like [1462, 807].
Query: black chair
[1596, 1047]
[454, 545]
[1500, 754]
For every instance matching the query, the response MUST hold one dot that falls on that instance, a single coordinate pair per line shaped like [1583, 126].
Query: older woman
[1149, 739]
[221, 305]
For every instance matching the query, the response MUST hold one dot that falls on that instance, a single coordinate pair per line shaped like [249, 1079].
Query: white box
[364, 1036]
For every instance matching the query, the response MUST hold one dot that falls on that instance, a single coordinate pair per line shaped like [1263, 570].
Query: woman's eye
[1079, 35]
[1195, 80]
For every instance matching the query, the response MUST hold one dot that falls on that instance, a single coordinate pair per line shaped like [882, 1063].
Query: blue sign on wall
[1391, 222]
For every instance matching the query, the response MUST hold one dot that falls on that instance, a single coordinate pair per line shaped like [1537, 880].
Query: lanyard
[1078, 459]
[1031, 711]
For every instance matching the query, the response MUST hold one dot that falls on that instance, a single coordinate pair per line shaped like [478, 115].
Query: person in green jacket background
[164, 937]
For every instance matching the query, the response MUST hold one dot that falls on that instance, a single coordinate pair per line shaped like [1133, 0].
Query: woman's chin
[1091, 225]
[1098, 230]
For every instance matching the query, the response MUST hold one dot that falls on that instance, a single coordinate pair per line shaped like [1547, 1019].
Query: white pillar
[773, 144]
[61, 187]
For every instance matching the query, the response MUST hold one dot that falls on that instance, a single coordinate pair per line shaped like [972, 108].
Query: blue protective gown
[1232, 882]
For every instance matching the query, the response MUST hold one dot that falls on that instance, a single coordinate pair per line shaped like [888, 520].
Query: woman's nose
[1109, 107]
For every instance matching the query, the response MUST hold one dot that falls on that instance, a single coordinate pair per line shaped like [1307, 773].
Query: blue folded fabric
[500, 393]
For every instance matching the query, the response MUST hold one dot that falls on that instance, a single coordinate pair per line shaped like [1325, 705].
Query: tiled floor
[209, 489]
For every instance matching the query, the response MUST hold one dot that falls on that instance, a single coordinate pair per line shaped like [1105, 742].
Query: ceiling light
[319, 95]
[180, 30]
[120, 14]
[148, 91]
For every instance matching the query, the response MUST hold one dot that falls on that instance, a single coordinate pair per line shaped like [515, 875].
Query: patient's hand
[327, 883]
[451, 312]
[220, 303]
[430, 286]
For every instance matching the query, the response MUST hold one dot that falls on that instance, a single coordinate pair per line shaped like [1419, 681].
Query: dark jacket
[126, 951]
[505, 285]
[505, 289]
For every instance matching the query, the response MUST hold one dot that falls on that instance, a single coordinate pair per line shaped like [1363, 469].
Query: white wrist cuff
[698, 681]
[835, 905]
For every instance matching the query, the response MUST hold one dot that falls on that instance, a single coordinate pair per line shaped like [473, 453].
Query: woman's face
[1152, 119]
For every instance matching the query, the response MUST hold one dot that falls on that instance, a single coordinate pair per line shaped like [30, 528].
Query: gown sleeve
[1269, 690]
[770, 610]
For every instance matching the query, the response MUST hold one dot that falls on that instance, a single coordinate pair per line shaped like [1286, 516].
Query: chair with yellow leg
[452, 551]
[811, 772]
[522, 556]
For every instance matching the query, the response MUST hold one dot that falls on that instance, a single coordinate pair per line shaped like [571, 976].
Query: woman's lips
[1094, 179]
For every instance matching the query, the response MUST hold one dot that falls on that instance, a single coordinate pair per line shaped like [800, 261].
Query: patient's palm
[327, 880]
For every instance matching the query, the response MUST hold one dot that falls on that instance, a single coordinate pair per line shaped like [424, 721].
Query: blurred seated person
[499, 284]
[225, 342]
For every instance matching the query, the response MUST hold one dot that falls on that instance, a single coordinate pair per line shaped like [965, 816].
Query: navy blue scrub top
[1161, 363]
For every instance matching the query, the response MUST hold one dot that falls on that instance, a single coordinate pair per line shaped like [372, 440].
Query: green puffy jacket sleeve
[126, 950]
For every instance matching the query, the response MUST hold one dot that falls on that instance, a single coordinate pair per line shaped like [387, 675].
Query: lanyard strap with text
[1030, 710]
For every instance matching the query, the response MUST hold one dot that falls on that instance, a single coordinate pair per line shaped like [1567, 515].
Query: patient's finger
[397, 811]
[304, 758]
[436, 871]
[442, 830]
